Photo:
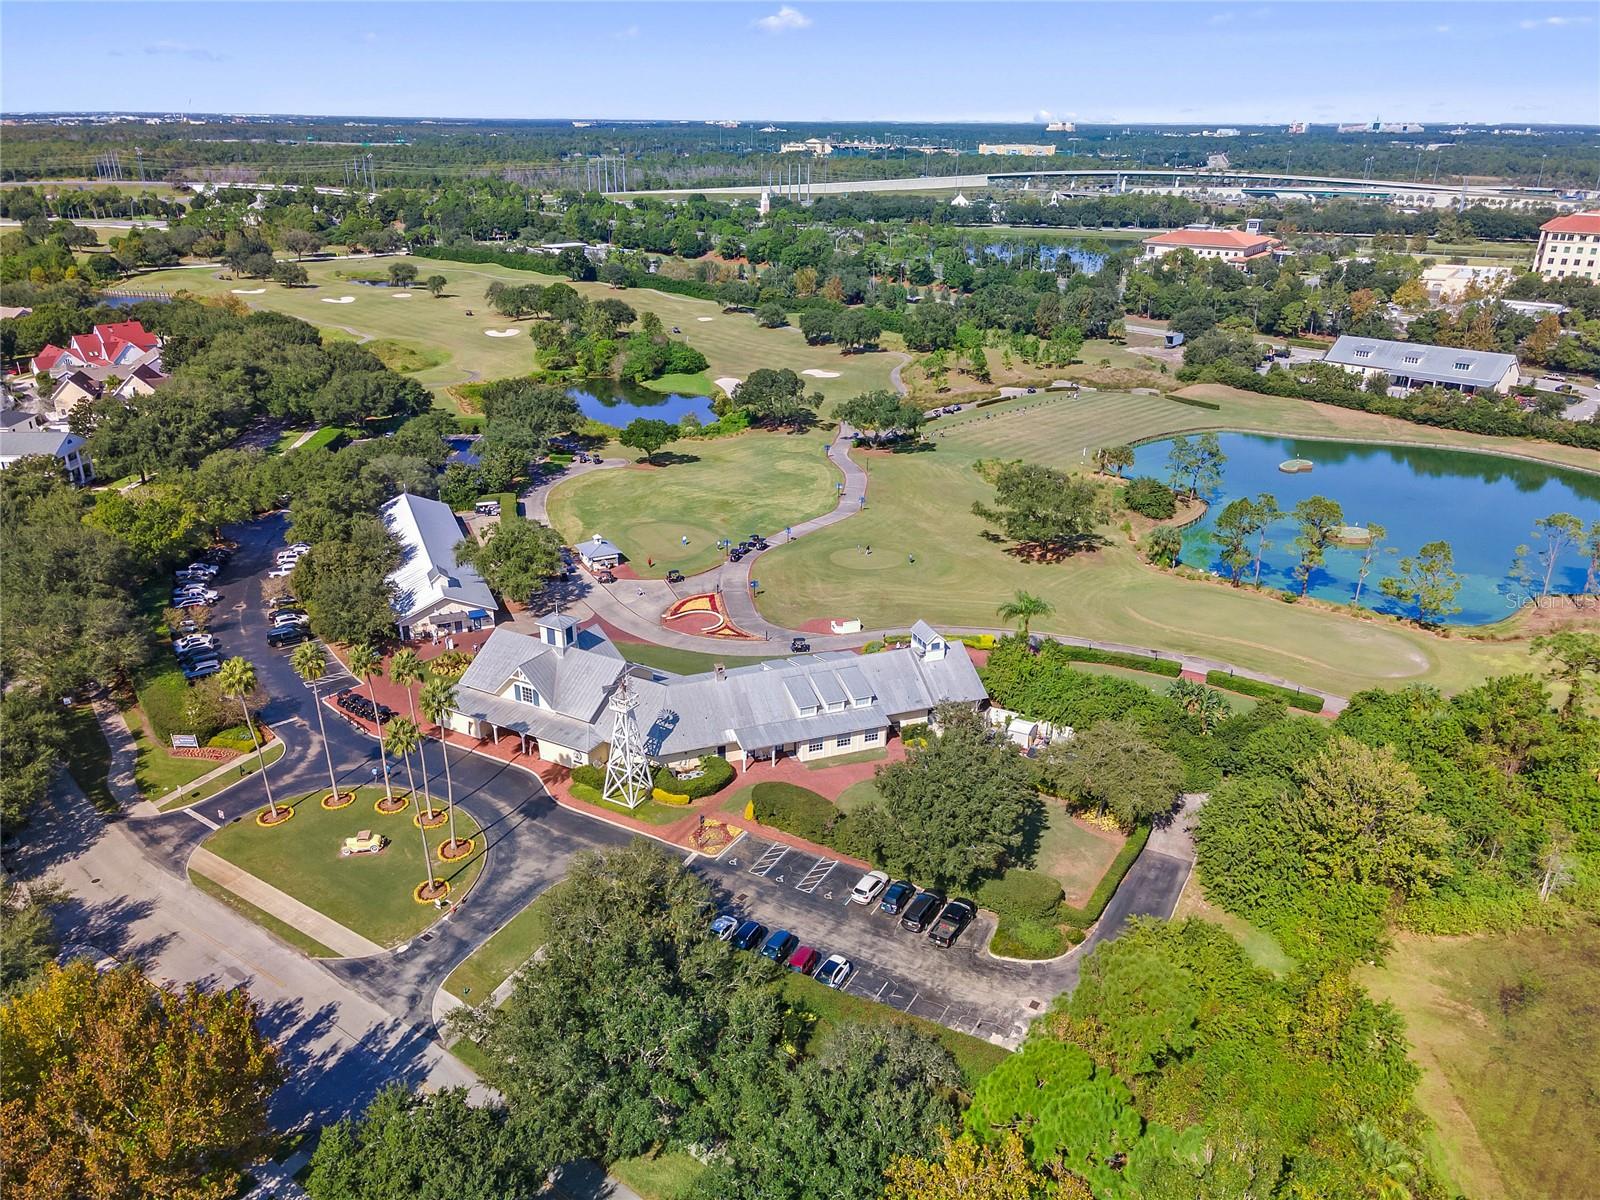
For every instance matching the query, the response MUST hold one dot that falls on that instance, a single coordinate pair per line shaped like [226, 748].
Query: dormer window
[524, 694]
[1363, 353]
[1413, 358]
[1461, 366]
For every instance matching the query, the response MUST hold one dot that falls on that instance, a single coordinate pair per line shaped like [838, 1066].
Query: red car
[804, 960]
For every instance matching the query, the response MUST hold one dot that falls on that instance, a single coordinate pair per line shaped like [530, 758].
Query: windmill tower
[628, 778]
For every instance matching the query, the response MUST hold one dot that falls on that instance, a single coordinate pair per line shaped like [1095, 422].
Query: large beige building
[1569, 246]
[1231, 245]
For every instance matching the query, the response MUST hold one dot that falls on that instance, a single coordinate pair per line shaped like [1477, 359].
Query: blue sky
[798, 60]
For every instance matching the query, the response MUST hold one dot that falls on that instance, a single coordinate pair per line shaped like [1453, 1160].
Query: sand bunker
[817, 373]
[727, 383]
[399, 295]
[248, 291]
[338, 299]
[705, 318]
[501, 332]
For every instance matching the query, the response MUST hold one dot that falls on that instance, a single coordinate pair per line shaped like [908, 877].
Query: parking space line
[816, 875]
[769, 859]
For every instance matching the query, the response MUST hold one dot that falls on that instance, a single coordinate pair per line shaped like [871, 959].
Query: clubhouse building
[552, 693]
[433, 594]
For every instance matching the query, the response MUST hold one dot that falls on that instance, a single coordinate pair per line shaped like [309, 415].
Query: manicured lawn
[735, 345]
[698, 384]
[651, 812]
[752, 483]
[370, 893]
[1504, 1030]
[920, 504]
[844, 760]
[975, 1056]
[1075, 853]
[155, 770]
[682, 662]
[858, 795]
[88, 758]
[666, 1176]
[407, 357]
[244, 768]
[302, 942]
[492, 963]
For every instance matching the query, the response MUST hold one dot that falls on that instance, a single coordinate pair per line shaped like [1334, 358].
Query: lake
[616, 403]
[1482, 504]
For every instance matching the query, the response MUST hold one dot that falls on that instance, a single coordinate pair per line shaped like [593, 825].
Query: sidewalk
[345, 942]
[122, 776]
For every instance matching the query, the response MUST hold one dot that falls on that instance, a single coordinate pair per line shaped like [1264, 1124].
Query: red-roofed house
[1569, 246]
[1230, 245]
[123, 344]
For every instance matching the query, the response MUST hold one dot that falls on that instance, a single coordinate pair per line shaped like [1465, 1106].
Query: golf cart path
[346, 942]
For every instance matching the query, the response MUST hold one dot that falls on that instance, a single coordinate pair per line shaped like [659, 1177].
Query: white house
[434, 595]
[18, 443]
[551, 693]
[1415, 364]
[598, 554]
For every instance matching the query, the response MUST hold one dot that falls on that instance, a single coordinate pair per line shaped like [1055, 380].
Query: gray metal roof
[21, 443]
[429, 573]
[755, 706]
[597, 548]
[1415, 360]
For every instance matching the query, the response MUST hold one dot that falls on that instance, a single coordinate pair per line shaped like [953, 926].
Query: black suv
[957, 916]
[920, 912]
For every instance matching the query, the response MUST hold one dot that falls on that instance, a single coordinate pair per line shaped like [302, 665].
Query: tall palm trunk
[417, 804]
[327, 750]
[449, 786]
[383, 756]
[272, 805]
[411, 703]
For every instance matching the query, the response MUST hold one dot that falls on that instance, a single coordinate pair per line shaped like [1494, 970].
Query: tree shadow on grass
[668, 458]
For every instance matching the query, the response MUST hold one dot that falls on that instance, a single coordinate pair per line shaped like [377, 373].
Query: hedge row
[1119, 658]
[1082, 918]
[1306, 701]
[483, 254]
[587, 776]
[794, 809]
[716, 774]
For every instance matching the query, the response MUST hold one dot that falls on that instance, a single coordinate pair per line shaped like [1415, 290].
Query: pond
[616, 403]
[1482, 504]
[1087, 261]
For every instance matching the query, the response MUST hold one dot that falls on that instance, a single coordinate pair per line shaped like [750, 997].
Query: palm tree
[364, 665]
[238, 679]
[310, 662]
[405, 668]
[1023, 608]
[438, 698]
[405, 737]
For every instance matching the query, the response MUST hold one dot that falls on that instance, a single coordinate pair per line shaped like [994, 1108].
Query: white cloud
[1222, 18]
[184, 50]
[1441, 29]
[369, 36]
[622, 35]
[1556, 22]
[784, 20]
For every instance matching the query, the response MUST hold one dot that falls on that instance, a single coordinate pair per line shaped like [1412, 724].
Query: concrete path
[346, 942]
[122, 777]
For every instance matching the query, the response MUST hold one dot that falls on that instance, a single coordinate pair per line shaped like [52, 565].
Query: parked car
[298, 547]
[203, 568]
[804, 960]
[957, 915]
[194, 641]
[606, 577]
[895, 896]
[199, 670]
[487, 508]
[749, 935]
[674, 576]
[779, 945]
[799, 646]
[283, 601]
[868, 886]
[835, 972]
[287, 635]
[921, 911]
[281, 572]
[289, 616]
[191, 602]
[724, 927]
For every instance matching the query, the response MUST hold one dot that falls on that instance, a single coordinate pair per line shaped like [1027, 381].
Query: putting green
[752, 483]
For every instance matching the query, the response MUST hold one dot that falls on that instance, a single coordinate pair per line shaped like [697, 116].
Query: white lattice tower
[627, 770]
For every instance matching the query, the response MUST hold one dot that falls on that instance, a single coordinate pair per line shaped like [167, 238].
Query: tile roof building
[551, 692]
[1414, 364]
[434, 595]
[1232, 246]
[1569, 246]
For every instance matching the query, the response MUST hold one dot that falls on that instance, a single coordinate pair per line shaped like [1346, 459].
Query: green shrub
[793, 809]
[1086, 916]
[1305, 701]
[716, 774]
[236, 738]
[1119, 658]
[588, 792]
[1028, 939]
[1150, 498]
[587, 776]
[1024, 895]
[849, 835]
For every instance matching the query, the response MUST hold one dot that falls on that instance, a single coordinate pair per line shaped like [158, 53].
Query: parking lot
[962, 987]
